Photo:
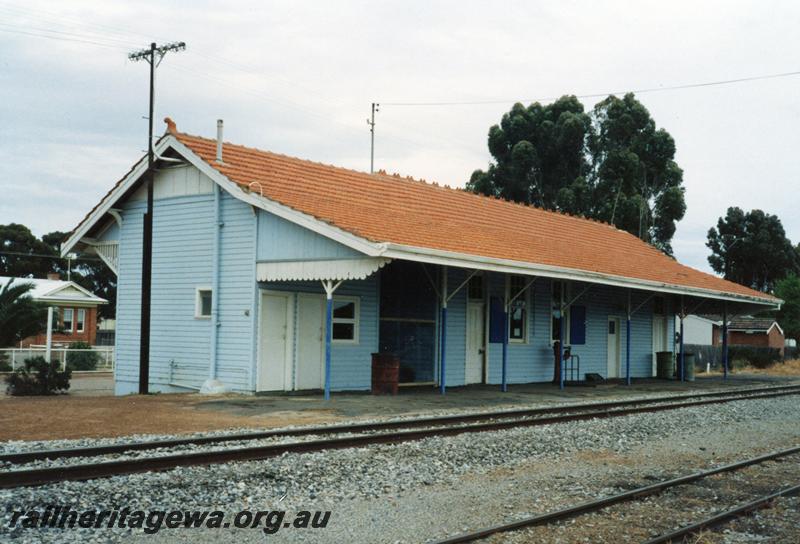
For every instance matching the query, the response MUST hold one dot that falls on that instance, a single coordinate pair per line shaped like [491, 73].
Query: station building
[271, 273]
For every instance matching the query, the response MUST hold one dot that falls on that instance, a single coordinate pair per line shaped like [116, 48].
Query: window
[475, 287]
[66, 320]
[202, 305]
[518, 312]
[345, 320]
[80, 325]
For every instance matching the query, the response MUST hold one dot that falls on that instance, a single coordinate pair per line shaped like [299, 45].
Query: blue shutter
[577, 325]
[496, 320]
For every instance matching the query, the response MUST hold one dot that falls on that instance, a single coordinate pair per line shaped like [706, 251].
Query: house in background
[75, 319]
[761, 332]
[271, 273]
[699, 330]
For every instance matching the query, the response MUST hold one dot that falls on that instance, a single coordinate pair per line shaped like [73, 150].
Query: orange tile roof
[390, 208]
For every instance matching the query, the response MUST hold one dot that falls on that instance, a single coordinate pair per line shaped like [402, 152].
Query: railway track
[415, 429]
[724, 517]
[112, 449]
[642, 492]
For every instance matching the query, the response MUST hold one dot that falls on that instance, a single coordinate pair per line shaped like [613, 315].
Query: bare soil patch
[66, 417]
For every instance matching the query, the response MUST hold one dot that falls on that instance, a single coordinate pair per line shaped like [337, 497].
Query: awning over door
[338, 269]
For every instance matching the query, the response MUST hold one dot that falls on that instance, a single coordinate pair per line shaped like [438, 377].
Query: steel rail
[42, 476]
[111, 449]
[634, 494]
[724, 517]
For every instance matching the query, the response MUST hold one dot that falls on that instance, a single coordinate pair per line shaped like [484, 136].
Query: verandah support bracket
[330, 287]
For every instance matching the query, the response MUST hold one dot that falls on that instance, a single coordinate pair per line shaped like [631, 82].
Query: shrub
[38, 377]
[82, 360]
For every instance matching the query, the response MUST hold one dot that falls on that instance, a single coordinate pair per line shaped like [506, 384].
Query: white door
[659, 337]
[275, 345]
[310, 342]
[613, 347]
[475, 343]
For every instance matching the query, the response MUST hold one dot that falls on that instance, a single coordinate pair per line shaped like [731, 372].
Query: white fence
[15, 357]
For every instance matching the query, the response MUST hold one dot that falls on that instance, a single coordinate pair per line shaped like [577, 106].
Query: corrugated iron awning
[339, 269]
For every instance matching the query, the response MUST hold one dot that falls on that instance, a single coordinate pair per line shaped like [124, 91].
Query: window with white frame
[519, 310]
[202, 305]
[345, 320]
[66, 320]
[80, 324]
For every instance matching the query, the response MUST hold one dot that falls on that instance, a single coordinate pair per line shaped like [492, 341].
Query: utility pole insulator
[371, 123]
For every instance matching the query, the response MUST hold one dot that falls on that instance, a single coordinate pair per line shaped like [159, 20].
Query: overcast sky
[298, 78]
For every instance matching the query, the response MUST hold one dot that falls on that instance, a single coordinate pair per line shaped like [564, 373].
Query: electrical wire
[599, 95]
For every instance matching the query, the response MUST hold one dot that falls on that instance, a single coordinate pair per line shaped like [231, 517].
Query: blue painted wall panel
[237, 289]
[533, 362]
[128, 300]
[350, 364]
[183, 230]
[456, 341]
[279, 239]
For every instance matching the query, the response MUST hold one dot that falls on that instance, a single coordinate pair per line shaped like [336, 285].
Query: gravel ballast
[437, 486]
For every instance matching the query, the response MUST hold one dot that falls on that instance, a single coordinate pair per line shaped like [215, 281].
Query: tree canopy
[612, 164]
[788, 289]
[751, 248]
[23, 255]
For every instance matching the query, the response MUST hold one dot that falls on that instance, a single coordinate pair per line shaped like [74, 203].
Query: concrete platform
[427, 399]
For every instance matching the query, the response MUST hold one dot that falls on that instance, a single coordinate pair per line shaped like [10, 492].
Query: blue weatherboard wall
[129, 276]
[533, 361]
[456, 340]
[280, 240]
[183, 230]
[350, 363]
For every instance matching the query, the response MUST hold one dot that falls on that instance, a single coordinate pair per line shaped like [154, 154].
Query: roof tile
[389, 208]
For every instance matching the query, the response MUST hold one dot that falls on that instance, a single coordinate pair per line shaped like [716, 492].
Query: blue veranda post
[328, 335]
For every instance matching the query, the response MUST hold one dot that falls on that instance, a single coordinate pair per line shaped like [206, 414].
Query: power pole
[371, 123]
[153, 55]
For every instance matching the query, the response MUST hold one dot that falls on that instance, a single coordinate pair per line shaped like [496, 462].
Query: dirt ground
[92, 416]
[63, 417]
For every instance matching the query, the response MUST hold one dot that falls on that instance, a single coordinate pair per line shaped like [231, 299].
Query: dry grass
[787, 368]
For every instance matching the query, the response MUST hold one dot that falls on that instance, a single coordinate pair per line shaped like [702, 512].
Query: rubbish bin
[665, 369]
[385, 373]
[688, 367]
